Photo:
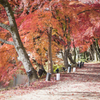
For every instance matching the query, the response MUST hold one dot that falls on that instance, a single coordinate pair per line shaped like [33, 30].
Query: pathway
[84, 84]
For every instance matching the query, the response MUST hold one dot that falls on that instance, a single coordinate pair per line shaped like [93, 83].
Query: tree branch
[83, 11]
[7, 42]
[87, 10]
[7, 27]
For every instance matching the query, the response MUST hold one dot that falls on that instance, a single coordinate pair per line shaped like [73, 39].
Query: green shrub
[57, 66]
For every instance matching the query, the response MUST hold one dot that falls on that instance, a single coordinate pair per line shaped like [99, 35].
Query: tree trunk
[50, 69]
[91, 52]
[96, 48]
[65, 58]
[90, 55]
[95, 56]
[74, 55]
[95, 52]
[85, 55]
[23, 56]
[77, 55]
[74, 51]
[70, 58]
[66, 51]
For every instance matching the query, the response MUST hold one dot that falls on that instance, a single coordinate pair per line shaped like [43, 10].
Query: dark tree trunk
[50, 69]
[84, 55]
[67, 48]
[74, 52]
[70, 58]
[65, 58]
[91, 52]
[94, 51]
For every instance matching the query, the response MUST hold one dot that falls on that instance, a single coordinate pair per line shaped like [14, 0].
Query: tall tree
[12, 28]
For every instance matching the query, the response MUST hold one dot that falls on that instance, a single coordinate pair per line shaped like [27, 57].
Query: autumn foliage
[34, 17]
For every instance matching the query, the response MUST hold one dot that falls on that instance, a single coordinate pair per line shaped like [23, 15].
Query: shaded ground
[84, 84]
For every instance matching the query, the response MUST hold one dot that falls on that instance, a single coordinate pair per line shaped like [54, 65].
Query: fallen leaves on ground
[89, 73]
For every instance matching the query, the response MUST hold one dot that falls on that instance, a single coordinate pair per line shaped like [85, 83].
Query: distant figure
[41, 70]
[82, 63]
[64, 69]
[79, 64]
[57, 70]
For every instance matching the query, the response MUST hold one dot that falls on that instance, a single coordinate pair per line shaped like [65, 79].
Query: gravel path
[84, 84]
